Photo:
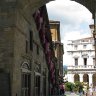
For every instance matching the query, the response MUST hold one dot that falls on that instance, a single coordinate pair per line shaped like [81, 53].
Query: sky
[74, 20]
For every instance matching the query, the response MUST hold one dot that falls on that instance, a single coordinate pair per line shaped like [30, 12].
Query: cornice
[83, 71]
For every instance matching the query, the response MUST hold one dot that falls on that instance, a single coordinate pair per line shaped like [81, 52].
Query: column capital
[90, 75]
[81, 75]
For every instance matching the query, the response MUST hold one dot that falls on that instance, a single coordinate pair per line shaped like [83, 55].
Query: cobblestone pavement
[71, 94]
[74, 94]
[93, 94]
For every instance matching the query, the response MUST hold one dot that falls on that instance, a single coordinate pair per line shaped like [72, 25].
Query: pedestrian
[64, 88]
[80, 90]
[60, 87]
[62, 91]
[91, 92]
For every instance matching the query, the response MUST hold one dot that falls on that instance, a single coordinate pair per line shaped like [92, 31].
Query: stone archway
[94, 80]
[89, 4]
[86, 78]
[76, 77]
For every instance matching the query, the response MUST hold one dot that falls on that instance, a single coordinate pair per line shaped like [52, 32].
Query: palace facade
[81, 56]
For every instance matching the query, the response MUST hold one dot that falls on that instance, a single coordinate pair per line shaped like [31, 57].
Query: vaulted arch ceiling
[89, 4]
[35, 4]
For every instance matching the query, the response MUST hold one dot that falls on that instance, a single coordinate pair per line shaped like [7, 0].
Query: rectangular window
[76, 61]
[75, 47]
[26, 84]
[84, 46]
[37, 85]
[26, 46]
[31, 40]
[85, 62]
[44, 85]
[93, 61]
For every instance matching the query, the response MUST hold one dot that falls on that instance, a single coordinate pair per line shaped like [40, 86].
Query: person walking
[62, 90]
[91, 91]
[81, 90]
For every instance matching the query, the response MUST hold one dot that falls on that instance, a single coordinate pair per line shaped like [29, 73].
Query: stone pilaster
[71, 78]
[90, 79]
[81, 77]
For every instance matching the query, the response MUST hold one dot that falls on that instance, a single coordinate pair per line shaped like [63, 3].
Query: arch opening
[76, 78]
[94, 80]
[86, 78]
[74, 18]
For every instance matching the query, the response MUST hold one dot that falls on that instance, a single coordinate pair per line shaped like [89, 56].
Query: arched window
[76, 78]
[25, 67]
[37, 77]
[25, 79]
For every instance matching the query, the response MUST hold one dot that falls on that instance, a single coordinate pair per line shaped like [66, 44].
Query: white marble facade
[81, 64]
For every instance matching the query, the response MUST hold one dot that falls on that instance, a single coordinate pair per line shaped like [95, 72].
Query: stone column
[90, 79]
[71, 78]
[81, 77]
[69, 75]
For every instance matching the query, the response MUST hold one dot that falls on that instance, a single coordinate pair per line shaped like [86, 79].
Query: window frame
[85, 61]
[76, 61]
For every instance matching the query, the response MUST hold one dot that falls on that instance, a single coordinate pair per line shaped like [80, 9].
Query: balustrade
[82, 67]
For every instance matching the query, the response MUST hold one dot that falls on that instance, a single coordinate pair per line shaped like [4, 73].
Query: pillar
[81, 77]
[71, 78]
[90, 79]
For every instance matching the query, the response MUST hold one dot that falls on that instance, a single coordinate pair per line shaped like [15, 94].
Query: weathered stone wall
[16, 22]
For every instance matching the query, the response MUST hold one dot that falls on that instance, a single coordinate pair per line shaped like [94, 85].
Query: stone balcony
[81, 67]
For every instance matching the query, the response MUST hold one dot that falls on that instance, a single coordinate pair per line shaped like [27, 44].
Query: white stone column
[71, 78]
[90, 79]
[68, 77]
[81, 77]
